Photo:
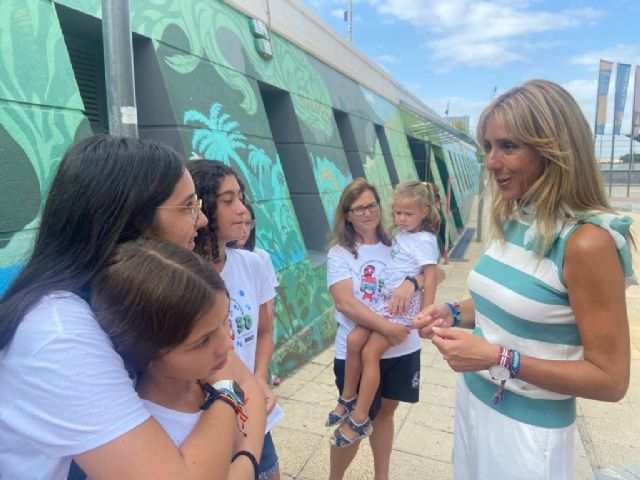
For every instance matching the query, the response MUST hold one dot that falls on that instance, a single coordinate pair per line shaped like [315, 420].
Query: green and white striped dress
[521, 302]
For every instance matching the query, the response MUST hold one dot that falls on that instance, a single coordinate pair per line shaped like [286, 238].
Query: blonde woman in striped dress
[547, 302]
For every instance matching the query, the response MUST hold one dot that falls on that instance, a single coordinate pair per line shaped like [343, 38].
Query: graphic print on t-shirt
[242, 320]
[370, 282]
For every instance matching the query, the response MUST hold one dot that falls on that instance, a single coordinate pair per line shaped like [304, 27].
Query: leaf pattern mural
[217, 138]
[40, 113]
[331, 181]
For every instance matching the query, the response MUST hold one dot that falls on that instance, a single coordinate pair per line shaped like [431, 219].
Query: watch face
[231, 385]
[238, 389]
[500, 373]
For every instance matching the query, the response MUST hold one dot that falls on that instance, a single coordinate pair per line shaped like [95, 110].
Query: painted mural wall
[203, 88]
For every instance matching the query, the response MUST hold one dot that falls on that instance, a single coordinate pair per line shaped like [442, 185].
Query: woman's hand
[401, 298]
[463, 351]
[433, 316]
[269, 396]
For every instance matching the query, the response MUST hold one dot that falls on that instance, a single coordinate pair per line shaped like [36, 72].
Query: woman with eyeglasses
[249, 286]
[65, 391]
[360, 252]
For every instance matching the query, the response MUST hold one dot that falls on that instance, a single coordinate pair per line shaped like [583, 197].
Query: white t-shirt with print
[63, 390]
[410, 251]
[247, 281]
[368, 275]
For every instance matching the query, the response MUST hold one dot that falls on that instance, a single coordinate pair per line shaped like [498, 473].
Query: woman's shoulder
[62, 308]
[59, 314]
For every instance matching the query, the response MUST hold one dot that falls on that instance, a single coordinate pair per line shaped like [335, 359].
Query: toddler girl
[415, 251]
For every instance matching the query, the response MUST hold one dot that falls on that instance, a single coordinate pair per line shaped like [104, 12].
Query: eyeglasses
[359, 211]
[249, 224]
[195, 206]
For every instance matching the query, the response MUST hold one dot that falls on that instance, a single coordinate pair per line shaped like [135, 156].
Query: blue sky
[457, 51]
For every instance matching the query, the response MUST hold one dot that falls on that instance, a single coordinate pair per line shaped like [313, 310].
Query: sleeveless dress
[522, 302]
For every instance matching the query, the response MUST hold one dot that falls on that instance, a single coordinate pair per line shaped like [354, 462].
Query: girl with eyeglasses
[248, 242]
[414, 252]
[65, 391]
[250, 288]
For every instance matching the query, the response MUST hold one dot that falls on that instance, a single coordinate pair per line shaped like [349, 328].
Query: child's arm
[264, 351]
[254, 427]
[430, 273]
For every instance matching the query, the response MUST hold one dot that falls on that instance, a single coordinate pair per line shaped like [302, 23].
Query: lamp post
[118, 60]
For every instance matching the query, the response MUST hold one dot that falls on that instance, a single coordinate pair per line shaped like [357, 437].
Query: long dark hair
[105, 192]
[147, 318]
[207, 177]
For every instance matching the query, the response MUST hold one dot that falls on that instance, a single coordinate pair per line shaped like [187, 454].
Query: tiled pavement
[608, 441]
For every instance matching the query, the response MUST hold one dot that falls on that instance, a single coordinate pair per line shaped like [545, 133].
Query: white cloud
[623, 53]
[337, 13]
[481, 33]
[458, 106]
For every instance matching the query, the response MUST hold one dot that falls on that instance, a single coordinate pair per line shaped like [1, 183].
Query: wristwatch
[230, 386]
[500, 371]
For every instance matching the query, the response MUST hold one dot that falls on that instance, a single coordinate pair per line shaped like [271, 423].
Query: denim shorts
[268, 465]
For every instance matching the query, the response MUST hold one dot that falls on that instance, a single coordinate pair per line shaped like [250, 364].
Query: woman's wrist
[251, 457]
[455, 312]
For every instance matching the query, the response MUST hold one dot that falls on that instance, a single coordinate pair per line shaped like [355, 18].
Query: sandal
[334, 417]
[274, 380]
[361, 430]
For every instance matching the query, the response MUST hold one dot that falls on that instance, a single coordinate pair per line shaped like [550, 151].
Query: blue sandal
[334, 417]
[361, 430]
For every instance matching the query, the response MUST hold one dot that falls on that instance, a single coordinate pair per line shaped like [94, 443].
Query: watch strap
[413, 280]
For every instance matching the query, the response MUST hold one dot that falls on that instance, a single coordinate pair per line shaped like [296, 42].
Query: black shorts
[399, 380]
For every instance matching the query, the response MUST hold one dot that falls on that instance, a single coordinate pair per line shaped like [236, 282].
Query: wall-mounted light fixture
[262, 39]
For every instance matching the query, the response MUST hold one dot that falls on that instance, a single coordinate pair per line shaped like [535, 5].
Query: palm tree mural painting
[218, 138]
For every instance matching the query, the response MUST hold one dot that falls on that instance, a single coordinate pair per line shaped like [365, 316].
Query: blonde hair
[546, 118]
[343, 233]
[425, 194]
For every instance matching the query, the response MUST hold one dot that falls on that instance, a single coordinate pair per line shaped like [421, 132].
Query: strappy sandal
[361, 430]
[334, 417]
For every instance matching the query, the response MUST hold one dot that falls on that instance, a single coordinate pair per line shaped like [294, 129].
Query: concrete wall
[203, 88]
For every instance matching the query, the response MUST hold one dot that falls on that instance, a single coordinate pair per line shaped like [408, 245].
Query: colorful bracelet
[515, 362]
[455, 311]
[229, 397]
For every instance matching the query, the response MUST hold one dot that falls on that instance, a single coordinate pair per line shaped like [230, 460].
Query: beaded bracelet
[455, 311]
[515, 363]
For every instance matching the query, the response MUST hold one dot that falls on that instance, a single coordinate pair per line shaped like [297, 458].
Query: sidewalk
[607, 440]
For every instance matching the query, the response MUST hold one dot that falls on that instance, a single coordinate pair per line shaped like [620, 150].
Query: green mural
[210, 81]
[39, 114]
[331, 181]
[217, 138]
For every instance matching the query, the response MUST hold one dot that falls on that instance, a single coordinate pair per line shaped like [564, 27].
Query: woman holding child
[355, 271]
